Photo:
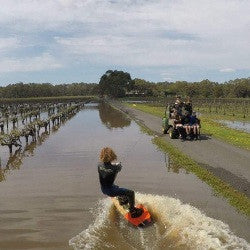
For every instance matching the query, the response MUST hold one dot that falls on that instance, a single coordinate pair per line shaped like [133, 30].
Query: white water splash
[176, 226]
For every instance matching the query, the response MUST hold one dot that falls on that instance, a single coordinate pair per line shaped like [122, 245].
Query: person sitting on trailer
[178, 123]
[185, 120]
[172, 113]
[195, 124]
[107, 173]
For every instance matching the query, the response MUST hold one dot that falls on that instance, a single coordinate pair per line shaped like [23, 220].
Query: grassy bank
[209, 126]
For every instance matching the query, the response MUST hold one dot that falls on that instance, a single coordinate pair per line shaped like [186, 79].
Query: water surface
[50, 192]
[243, 126]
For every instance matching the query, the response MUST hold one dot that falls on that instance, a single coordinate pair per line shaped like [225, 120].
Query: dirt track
[228, 162]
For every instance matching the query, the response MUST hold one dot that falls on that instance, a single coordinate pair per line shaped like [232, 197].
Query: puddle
[243, 126]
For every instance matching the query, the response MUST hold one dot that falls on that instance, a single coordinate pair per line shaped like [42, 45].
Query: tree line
[22, 90]
[120, 84]
[238, 88]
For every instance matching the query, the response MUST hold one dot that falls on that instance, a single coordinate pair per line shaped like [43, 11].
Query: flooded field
[51, 199]
[243, 126]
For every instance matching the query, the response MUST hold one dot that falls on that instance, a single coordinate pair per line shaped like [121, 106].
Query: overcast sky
[62, 41]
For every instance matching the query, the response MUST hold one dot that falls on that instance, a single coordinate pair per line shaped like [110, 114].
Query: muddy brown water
[8, 126]
[50, 194]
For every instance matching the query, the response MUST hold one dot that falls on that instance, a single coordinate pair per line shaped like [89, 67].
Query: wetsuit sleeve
[118, 167]
[104, 172]
[113, 169]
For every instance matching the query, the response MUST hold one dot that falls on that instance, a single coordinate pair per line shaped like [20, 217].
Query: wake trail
[176, 226]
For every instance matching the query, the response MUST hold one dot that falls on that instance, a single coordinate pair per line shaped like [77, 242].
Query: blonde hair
[107, 155]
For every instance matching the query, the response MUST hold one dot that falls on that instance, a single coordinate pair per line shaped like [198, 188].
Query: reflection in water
[15, 160]
[112, 118]
[172, 167]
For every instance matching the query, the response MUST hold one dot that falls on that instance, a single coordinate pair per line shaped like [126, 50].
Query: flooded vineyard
[242, 126]
[51, 199]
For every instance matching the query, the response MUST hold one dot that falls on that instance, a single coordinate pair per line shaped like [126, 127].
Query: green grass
[209, 126]
[154, 110]
[2, 178]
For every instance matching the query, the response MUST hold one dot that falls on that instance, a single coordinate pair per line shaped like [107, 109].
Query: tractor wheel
[165, 130]
[172, 133]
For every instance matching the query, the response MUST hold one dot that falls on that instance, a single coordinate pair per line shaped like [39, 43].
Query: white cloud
[39, 63]
[212, 34]
[207, 17]
[227, 70]
[9, 43]
[150, 51]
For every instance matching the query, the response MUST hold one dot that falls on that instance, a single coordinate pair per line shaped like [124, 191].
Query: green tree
[143, 87]
[218, 91]
[242, 88]
[115, 83]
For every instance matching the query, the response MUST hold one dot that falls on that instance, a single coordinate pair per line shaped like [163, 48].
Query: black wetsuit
[185, 119]
[107, 174]
[188, 108]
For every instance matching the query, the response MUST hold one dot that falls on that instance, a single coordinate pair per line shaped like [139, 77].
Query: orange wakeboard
[140, 221]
